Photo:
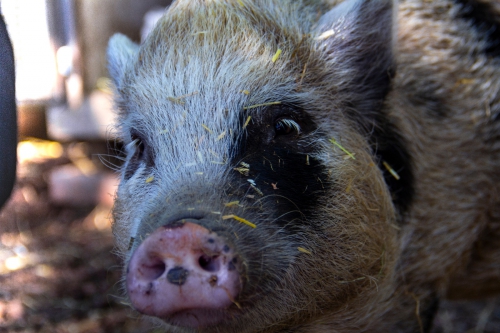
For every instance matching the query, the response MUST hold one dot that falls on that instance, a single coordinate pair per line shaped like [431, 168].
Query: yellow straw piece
[206, 127]
[232, 203]
[246, 92]
[276, 55]
[302, 75]
[301, 249]
[243, 171]
[391, 170]
[150, 179]
[178, 100]
[256, 189]
[239, 219]
[258, 105]
[175, 100]
[223, 134]
[241, 3]
[246, 122]
[332, 140]
[465, 81]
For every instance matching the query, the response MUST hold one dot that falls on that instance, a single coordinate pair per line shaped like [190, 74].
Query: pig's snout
[185, 275]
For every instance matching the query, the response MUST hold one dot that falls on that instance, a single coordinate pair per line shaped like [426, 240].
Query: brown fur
[455, 216]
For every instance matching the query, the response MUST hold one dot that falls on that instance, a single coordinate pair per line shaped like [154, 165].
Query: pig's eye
[138, 152]
[285, 126]
[139, 147]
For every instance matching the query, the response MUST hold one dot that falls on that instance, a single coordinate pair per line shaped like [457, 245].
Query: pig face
[250, 199]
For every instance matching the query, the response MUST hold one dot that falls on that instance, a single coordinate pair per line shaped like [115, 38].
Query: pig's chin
[197, 318]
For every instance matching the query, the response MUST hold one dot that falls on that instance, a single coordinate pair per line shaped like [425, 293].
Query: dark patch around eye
[289, 173]
[283, 167]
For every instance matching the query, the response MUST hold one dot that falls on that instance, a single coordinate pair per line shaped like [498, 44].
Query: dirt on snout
[58, 273]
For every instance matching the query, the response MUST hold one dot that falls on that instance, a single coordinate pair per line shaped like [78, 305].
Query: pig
[309, 166]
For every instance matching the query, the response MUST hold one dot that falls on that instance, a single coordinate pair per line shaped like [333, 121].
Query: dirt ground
[58, 273]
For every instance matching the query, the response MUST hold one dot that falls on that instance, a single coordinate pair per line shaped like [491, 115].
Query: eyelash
[136, 149]
[285, 126]
[132, 146]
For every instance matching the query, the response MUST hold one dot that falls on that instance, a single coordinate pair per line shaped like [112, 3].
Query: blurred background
[58, 272]
[57, 269]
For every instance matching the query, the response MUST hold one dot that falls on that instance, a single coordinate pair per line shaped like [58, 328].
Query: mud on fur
[337, 242]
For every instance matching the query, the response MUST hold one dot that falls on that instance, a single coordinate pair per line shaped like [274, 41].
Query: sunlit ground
[57, 270]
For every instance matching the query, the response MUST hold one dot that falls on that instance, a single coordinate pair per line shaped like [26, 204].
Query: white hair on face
[190, 83]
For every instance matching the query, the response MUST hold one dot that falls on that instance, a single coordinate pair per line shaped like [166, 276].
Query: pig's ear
[121, 52]
[357, 37]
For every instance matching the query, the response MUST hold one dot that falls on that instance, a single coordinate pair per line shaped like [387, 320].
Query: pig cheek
[176, 277]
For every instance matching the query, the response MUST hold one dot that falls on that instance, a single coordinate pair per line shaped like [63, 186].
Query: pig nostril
[177, 275]
[210, 264]
[154, 269]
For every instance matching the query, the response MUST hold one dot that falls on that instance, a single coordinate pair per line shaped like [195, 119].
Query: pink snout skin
[185, 275]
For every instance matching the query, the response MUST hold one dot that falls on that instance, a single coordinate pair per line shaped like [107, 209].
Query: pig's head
[250, 198]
